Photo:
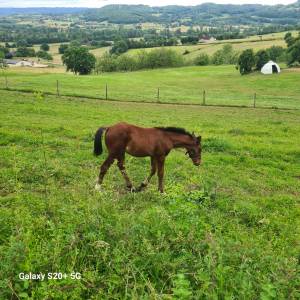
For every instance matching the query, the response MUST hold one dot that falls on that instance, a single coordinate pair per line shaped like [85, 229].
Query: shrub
[62, 48]
[246, 61]
[161, 58]
[202, 60]
[45, 47]
[226, 55]
[106, 63]
[119, 47]
[217, 58]
[44, 55]
[275, 52]
[261, 58]
[157, 58]
[25, 52]
[126, 63]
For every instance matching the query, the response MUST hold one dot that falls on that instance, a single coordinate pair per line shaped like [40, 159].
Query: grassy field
[252, 42]
[226, 230]
[98, 52]
[223, 85]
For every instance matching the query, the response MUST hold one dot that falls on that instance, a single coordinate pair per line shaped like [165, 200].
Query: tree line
[79, 60]
[23, 51]
[249, 61]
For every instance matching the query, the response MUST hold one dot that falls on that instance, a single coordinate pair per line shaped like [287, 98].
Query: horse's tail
[98, 141]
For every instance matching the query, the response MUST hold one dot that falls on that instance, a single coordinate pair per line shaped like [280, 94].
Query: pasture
[239, 45]
[254, 42]
[226, 230]
[223, 85]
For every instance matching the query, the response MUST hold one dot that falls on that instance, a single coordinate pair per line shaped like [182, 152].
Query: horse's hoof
[98, 187]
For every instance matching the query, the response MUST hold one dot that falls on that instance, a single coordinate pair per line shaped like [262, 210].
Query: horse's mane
[175, 130]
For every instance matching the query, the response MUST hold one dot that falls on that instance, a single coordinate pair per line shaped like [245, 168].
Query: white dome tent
[270, 68]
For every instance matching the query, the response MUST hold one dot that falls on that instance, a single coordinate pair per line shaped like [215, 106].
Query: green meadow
[190, 52]
[226, 230]
[223, 85]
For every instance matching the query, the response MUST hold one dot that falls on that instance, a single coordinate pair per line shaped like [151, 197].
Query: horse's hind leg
[103, 169]
[160, 173]
[122, 169]
[152, 172]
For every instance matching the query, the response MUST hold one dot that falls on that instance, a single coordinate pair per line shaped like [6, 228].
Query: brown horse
[155, 142]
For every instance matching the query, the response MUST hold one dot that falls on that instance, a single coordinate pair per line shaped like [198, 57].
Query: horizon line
[208, 2]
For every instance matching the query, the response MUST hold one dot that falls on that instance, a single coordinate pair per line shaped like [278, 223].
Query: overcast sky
[99, 3]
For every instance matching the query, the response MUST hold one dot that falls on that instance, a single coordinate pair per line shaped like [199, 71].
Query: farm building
[23, 63]
[270, 68]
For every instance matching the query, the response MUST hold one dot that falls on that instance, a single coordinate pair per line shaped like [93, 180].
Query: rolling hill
[206, 14]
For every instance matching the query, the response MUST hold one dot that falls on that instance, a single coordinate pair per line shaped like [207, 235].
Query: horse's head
[194, 150]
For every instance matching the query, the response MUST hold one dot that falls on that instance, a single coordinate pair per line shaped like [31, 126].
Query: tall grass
[226, 230]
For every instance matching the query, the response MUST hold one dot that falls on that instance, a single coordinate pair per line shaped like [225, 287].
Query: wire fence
[164, 94]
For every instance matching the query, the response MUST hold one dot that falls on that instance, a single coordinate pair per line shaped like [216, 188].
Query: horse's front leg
[160, 173]
[152, 172]
[122, 169]
[103, 169]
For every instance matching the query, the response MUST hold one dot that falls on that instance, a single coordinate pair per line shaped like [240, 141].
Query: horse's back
[135, 140]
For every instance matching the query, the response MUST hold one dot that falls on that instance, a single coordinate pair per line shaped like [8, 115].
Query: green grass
[211, 48]
[254, 42]
[251, 42]
[226, 230]
[223, 85]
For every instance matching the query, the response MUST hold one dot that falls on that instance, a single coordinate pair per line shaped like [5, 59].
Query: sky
[99, 3]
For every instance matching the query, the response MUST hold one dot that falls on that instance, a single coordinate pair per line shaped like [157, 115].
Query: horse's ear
[199, 139]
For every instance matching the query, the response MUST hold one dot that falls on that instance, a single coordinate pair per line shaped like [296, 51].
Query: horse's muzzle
[197, 163]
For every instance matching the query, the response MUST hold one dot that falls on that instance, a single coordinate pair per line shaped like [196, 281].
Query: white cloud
[99, 3]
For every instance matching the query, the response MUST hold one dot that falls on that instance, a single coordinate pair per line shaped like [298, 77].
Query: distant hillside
[206, 14]
[5, 11]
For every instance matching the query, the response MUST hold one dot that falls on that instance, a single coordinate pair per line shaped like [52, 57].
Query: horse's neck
[180, 140]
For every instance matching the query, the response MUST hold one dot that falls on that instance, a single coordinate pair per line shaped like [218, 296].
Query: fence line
[106, 92]
[158, 98]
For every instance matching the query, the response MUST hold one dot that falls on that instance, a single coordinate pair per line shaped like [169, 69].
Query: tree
[261, 58]
[22, 43]
[45, 47]
[246, 61]
[226, 55]
[2, 63]
[293, 50]
[275, 52]
[44, 55]
[25, 52]
[62, 48]
[119, 47]
[294, 53]
[79, 60]
[5, 50]
[289, 39]
[193, 40]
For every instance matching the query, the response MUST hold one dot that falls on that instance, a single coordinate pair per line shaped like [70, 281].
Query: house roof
[11, 61]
